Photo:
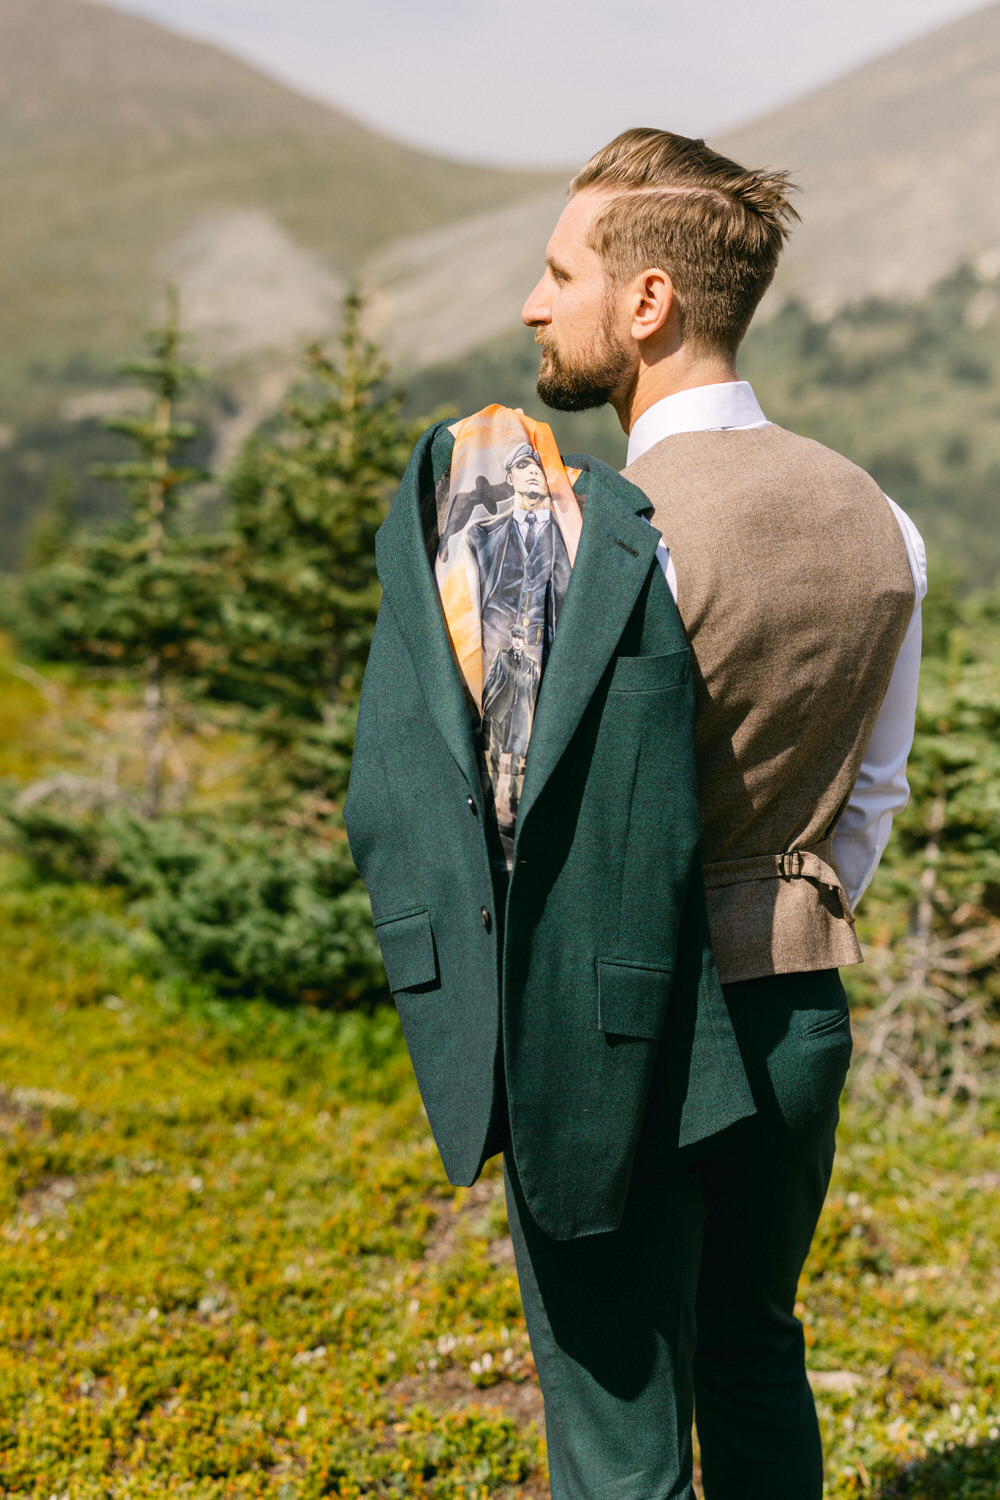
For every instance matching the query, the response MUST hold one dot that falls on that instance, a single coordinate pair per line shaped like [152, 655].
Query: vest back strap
[815, 862]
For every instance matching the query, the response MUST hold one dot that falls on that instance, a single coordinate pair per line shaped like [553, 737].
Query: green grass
[902, 1292]
[227, 1255]
[230, 1265]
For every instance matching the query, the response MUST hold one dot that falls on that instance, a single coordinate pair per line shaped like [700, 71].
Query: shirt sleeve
[666, 562]
[881, 789]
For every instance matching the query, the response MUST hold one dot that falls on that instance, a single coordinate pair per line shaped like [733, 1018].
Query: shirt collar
[521, 515]
[705, 408]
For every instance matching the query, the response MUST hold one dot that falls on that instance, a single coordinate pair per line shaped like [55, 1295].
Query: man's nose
[535, 311]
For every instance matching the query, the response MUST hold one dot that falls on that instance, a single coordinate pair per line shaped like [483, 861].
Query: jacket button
[487, 920]
[472, 804]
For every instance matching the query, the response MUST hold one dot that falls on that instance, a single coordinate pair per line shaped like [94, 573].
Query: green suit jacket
[597, 983]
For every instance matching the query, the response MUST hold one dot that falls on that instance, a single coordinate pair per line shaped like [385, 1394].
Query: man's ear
[652, 298]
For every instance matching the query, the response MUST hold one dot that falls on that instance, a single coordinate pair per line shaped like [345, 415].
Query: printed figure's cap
[518, 632]
[523, 450]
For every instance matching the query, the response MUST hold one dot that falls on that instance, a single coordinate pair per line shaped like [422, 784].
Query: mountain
[882, 333]
[129, 155]
[899, 166]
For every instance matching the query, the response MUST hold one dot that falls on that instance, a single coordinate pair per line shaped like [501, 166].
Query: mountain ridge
[899, 159]
[131, 156]
[118, 137]
[899, 166]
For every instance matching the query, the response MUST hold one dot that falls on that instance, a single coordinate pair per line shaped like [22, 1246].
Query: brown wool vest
[795, 592]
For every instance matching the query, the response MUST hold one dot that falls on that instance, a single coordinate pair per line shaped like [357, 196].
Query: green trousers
[688, 1307]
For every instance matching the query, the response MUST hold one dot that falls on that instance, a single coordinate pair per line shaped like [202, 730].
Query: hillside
[130, 157]
[881, 336]
[128, 154]
[234, 1269]
[899, 165]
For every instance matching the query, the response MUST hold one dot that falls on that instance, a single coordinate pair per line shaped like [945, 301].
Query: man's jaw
[602, 379]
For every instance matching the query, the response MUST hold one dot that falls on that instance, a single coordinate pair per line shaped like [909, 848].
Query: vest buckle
[790, 864]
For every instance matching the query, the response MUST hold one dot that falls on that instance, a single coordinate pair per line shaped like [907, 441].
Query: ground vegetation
[233, 1265]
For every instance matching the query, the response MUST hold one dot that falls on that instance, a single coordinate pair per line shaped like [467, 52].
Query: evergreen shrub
[261, 632]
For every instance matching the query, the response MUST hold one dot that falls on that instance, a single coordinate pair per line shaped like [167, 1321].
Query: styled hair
[716, 228]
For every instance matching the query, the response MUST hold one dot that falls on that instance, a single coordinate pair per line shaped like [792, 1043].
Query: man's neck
[666, 377]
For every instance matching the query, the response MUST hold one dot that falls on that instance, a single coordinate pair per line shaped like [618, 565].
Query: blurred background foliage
[233, 655]
[907, 388]
[253, 635]
[206, 1093]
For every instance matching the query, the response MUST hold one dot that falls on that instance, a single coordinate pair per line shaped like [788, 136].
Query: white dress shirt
[539, 518]
[881, 789]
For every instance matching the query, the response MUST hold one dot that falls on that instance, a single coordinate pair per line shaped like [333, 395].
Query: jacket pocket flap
[632, 998]
[651, 674]
[407, 945]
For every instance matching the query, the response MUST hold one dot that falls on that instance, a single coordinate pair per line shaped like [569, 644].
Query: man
[561, 1004]
[522, 563]
[509, 694]
[799, 585]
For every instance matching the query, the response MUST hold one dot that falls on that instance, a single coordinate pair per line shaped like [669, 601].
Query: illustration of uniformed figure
[508, 708]
[523, 565]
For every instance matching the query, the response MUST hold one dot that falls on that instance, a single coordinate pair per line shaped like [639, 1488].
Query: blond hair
[714, 227]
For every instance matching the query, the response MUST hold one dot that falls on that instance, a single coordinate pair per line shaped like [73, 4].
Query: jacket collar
[411, 593]
[617, 547]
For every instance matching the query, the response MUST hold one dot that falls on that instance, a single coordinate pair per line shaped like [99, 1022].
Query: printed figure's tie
[508, 534]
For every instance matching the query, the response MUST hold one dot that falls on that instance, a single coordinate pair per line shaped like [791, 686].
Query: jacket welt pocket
[650, 674]
[632, 998]
[407, 945]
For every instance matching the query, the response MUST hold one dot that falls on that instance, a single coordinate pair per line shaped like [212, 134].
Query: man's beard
[591, 378]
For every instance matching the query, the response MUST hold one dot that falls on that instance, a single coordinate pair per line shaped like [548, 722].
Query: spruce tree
[52, 529]
[264, 898]
[273, 618]
[138, 597]
[307, 500]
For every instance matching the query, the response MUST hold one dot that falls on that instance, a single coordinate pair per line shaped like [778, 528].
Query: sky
[546, 82]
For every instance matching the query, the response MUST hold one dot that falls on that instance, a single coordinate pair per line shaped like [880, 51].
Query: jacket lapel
[617, 547]
[410, 591]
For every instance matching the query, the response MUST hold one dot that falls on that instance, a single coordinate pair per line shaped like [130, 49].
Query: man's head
[526, 477]
[517, 641]
[664, 246]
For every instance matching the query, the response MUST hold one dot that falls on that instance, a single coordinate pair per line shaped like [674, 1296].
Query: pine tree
[53, 527]
[267, 900]
[137, 597]
[306, 503]
[273, 618]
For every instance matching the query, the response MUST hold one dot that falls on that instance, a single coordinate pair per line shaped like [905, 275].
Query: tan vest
[795, 592]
